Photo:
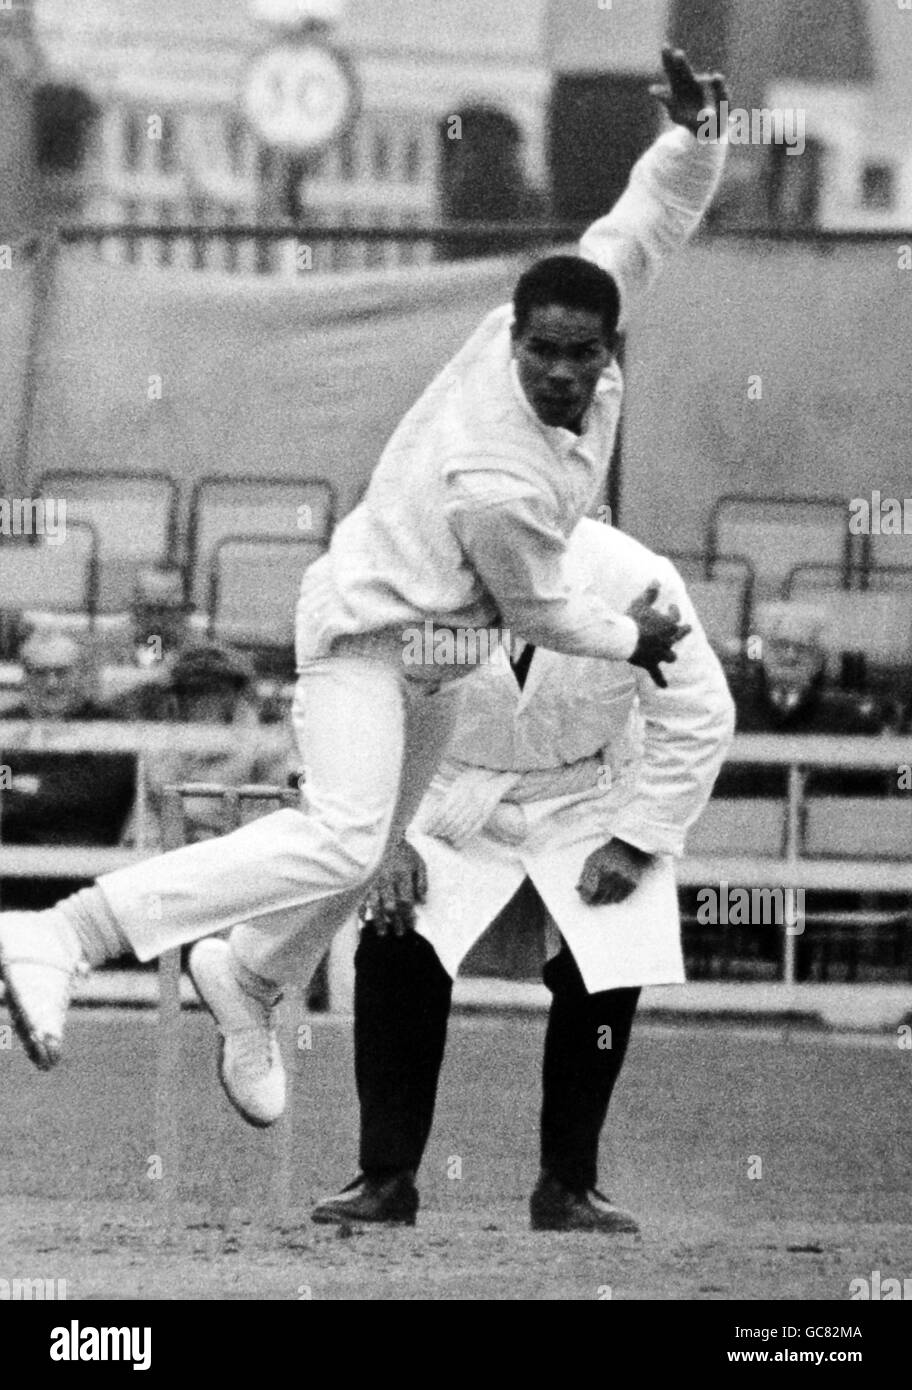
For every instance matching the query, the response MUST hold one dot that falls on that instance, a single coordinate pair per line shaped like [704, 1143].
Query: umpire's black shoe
[554, 1207]
[389, 1201]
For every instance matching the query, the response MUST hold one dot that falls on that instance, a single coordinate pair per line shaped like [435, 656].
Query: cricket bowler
[463, 529]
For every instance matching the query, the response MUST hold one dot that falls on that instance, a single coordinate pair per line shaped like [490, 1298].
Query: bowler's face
[560, 355]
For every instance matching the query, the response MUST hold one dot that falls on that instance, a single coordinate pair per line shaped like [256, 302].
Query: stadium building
[554, 94]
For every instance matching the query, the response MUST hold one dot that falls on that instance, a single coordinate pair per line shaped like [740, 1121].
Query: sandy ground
[827, 1116]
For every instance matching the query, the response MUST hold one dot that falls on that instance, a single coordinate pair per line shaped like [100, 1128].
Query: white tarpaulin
[196, 373]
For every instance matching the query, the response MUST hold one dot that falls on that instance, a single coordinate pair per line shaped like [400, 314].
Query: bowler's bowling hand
[688, 94]
[611, 873]
[658, 633]
[390, 904]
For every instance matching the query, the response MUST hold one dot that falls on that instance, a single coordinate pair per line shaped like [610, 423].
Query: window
[792, 186]
[162, 142]
[877, 190]
[167, 145]
[347, 155]
[63, 120]
[236, 143]
[413, 159]
[133, 137]
[380, 156]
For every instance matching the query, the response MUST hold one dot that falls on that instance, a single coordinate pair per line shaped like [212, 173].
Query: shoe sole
[37, 1053]
[252, 1120]
[615, 1232]
[338, 1218]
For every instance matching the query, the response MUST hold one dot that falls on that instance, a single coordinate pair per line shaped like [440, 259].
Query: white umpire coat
[536, 779]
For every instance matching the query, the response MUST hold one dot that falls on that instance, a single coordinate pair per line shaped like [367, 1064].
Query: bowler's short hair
[573, 283]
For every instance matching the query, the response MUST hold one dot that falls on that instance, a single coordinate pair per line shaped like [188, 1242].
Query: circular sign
[300, 96]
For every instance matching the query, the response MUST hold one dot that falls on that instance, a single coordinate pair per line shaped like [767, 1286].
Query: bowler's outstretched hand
[688, 94]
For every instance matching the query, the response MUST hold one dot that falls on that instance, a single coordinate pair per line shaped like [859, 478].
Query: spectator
[57, 798]
[160, 616]
[60, 679]
[198, 682]
[212, 684]
[142, 644]
[787, 691]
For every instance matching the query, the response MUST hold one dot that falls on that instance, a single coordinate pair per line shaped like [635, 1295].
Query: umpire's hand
[611, 873]
[659, 632]
[390, 904]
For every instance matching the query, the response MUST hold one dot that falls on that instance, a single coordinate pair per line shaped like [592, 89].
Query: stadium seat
[807, 580]
[134, 516]
[53, 578]
[253, 589]
[894, 579]
[775, 534]
[858, 827]
[740, 825]
[804, 582]
[269, 507]
[877, 624]
[721, 594]
[888, 552]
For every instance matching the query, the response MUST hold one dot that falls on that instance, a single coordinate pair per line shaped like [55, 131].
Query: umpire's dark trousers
[402, 1003]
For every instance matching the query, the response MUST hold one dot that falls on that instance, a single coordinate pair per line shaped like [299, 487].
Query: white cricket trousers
[371, 737]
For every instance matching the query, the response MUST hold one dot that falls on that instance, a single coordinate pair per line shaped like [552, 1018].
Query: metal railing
[276, 248]
[146, 742]
[273, 248]
[798, 754]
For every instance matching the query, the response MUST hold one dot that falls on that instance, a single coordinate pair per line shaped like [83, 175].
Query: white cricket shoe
[250, 1064]
[39, 959]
